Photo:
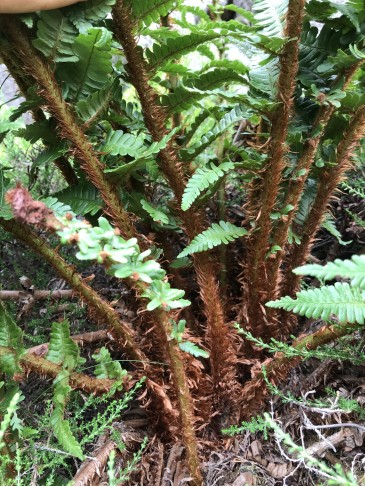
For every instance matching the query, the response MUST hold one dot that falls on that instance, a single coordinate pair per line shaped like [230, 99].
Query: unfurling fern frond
[353, 269]
[216, 235]
[201, 180]
[341, 300]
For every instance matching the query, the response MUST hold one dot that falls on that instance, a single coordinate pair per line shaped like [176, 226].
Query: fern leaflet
[341, 300]
[10, 337]
[83, 198]
[61, 427]
[55, 37]
[62, 349]
[353, 269]
[201, 180]
[216, 235]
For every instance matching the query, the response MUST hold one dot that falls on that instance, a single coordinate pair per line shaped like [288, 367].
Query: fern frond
[216, 235]
[94, 67]
[353, 269]
[106, 367]
[270, 16]
[125, 143]
[174, 48]
[92, 107]
[202, 178]
[236, 114]
[55, 37]
[315, 49]
[120, 143]
[83, 198]
[10, 337]
[62, 348]
[50, 154]
[148, 11]
[155, 213]
[61, 427]
[341, 300]
[198, 87]
[83, 14]
[59, 208]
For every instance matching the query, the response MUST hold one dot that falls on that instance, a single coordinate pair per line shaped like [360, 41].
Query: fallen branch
[94, 466]
[37, 294]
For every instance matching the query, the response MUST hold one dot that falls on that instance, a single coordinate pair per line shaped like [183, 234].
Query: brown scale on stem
[40, 71]
[328, 181]
[267, 192]
[218, 334]
[296, 184]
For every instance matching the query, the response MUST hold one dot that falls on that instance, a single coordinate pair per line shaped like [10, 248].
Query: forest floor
[249, 458]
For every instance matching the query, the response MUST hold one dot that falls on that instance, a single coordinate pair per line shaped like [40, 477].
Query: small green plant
[256, 424]
[333, 476]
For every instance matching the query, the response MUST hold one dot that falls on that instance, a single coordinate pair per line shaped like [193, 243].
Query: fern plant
[154, 140]
[344, 301]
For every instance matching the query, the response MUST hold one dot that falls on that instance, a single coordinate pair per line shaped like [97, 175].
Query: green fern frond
[356, 191]
[216, 235]
[156, 214]
[196, 11]
[236, 114]
[341, 300]
[201, 118]
[62, 349]
[59, 208]
[174, 48]
[106, 367]
[198, 87]
[120, 143]
[148, 11]
[123, 143]
[330, 225]
[93, 106]
[55, 37]
[10, 337]
[316, 47]
[270, 16]
[83, 14]
[94, 67]
[353, 269]
[61, 427]
[201, 180]
[50, 154]
[83, 198]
